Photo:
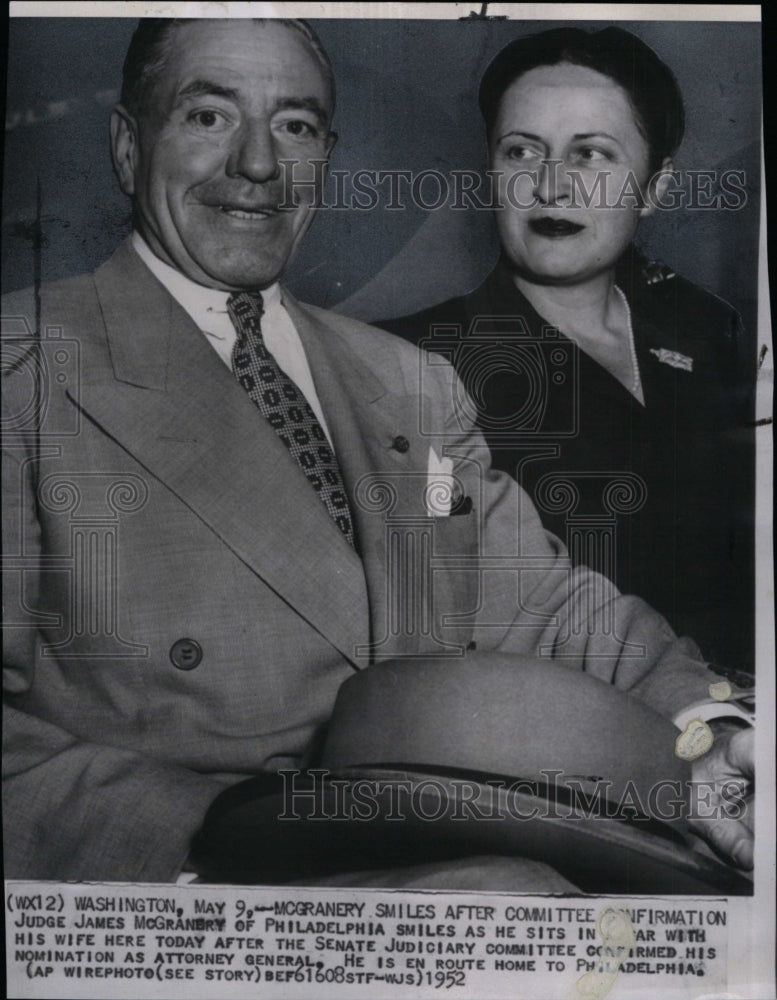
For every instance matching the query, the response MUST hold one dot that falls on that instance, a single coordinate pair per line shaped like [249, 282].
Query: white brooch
[673, 358]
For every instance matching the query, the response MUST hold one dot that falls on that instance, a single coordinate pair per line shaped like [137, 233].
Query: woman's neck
[580, 311]
[597, 318]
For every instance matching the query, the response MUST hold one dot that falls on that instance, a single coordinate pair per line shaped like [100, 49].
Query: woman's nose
[553, 185]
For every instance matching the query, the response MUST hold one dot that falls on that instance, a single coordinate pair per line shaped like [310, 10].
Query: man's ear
[658, 185]
[124, 147]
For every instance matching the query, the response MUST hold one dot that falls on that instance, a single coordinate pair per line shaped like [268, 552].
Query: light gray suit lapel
[172, 403]
[363, 424]
[365, 418]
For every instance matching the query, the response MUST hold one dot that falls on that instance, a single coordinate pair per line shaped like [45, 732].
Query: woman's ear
[658, 185]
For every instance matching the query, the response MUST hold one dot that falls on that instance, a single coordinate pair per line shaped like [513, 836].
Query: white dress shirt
[208, 308]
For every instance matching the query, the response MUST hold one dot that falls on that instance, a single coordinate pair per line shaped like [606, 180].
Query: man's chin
[239, 275]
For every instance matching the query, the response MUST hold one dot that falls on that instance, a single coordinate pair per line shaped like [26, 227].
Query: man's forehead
[244, 56]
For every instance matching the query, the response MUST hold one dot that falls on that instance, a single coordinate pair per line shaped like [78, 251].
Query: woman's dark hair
[649, 83]
[150, 46]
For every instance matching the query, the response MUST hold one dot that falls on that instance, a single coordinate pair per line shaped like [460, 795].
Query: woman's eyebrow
[524, 135]
[576, 137]
[594, 135]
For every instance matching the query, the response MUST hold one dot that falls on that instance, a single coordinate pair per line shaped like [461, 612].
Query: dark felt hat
[433, 759]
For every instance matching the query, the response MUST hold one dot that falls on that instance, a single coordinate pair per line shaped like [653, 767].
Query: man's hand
[724, 779]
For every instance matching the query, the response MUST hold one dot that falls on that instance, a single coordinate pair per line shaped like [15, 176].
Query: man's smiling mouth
[235, 212]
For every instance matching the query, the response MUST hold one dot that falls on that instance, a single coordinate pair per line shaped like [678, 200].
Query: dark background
[407, 100]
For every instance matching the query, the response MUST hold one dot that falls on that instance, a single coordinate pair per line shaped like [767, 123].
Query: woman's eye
[589, 154]
[522, 153]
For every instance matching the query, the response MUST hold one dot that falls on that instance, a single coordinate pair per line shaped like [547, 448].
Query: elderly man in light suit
[182, 606]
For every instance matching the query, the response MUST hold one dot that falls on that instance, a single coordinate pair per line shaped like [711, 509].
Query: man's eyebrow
[199, 88]
[304, 104]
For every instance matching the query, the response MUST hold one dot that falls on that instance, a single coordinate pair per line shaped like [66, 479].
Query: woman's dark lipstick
[554, 228]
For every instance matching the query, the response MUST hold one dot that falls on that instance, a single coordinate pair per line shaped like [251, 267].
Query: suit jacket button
[400, 443]
[186, 654]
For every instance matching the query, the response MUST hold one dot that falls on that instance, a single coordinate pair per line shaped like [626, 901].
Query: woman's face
[571, 164]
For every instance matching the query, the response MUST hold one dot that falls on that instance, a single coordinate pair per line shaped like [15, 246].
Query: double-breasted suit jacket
[181, 609]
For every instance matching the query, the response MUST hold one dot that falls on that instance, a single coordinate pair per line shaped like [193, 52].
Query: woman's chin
[562, 276]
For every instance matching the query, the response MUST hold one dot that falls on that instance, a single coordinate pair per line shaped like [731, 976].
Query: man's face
[201, 161]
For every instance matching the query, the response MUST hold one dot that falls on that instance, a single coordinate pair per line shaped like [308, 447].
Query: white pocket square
[438, 495]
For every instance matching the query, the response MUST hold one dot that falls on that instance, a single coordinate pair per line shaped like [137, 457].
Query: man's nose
[253, 154]
[553, 185]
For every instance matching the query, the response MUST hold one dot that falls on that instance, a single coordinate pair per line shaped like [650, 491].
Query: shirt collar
[198, 300]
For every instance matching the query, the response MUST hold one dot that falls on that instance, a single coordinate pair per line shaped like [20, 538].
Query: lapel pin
[673, 358]
[400, 443]
[655, 271]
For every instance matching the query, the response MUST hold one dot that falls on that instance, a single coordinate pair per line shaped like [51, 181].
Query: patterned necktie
[283, 404]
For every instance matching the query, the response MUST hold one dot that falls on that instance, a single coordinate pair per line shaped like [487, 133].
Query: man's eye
[207, 118]
[300, 128]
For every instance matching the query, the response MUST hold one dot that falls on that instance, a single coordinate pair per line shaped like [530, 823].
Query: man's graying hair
[151, 42]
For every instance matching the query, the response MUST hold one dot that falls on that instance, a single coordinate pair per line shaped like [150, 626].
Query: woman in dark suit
[616, 392]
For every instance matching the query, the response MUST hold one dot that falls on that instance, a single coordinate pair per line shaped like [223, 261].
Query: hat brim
[274, 829]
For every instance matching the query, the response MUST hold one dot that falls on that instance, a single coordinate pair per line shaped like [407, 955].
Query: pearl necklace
[636, 382]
